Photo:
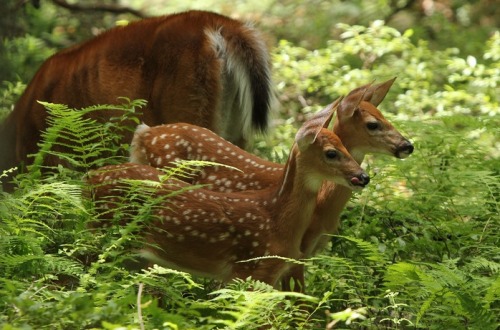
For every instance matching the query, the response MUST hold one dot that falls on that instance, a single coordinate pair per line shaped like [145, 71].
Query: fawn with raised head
[196, 67]
[360, 125]
[212, 233]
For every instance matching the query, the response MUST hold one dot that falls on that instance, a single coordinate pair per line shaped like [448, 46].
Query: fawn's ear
[306, 137]
[323, 117]
[310, 129]
[376, 93]
[351, 102]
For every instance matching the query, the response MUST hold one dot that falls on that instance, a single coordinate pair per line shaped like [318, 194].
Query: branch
[139, 306]
[100, 7]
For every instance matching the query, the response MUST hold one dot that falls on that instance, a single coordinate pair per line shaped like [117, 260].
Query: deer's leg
[268, 271]
[295, 273]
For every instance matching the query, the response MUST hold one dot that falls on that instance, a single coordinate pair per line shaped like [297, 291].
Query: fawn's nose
[360, 180]
[404, 150]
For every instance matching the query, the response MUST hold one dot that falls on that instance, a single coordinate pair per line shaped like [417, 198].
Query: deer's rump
[196, 67]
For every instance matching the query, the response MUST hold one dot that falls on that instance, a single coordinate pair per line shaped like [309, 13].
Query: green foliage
[59, 270]
[75, 137]
[436, 211]
[246, 305]
[445, 294]
[24, 55]
[418, 248]
[429, 82]
[432, 223]
[9, 95]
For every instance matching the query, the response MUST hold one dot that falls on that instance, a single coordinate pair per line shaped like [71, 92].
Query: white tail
[213, 233]
[360, 125]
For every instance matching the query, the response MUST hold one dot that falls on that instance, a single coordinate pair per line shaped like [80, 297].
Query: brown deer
[360, 125]
[197, 67]
[216, 234]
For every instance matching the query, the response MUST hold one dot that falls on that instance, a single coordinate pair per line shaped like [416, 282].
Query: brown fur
[190, 67]
[213, 233]
[354, 112]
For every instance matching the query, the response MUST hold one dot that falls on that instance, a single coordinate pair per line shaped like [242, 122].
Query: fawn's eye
[331, 154]
[373, 125]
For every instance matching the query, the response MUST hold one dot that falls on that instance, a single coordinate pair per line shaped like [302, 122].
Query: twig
[99, 7]
[331, 324]
[139, 308]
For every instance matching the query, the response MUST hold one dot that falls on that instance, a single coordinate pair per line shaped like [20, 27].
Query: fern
[367, 250]
[187, 168]
[243, 309]
[438, 285]
[80, 141]
[493, 292]
[418, 248]
[32, 222]
[350, 279]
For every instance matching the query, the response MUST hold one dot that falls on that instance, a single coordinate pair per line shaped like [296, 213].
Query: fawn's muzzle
[360, 180]
[404, 150]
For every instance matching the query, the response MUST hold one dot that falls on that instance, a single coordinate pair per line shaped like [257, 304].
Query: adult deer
[212, 233]
[196, 67]
[360, 125]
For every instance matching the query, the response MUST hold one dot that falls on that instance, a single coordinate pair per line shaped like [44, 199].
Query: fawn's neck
[332, 199]
[295, 202]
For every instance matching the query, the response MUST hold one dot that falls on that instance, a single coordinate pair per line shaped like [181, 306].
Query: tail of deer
[197, 67]
[360, 125]
[216, 234]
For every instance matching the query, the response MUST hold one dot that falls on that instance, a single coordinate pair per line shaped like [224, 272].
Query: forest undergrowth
[418, 248]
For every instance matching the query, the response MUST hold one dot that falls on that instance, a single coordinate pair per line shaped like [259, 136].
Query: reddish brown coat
[356, 113]
[213, 233]
[196, 67]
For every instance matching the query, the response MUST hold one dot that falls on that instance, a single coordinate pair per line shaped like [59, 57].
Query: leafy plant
[418, 248]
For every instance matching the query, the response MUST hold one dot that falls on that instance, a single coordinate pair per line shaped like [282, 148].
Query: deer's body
[159, 146]
[355, 114]
[211, 233]
[197, 67]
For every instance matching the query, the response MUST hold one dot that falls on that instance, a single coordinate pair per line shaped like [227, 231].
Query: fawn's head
[362, 127]
[323, 156]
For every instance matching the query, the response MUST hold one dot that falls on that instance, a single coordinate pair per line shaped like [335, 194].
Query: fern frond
[493, 292]
[188, 168]
[288, 260]
[240, 308]
[367, 250]
[79, 140]
[434, 284]
[479, 264]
